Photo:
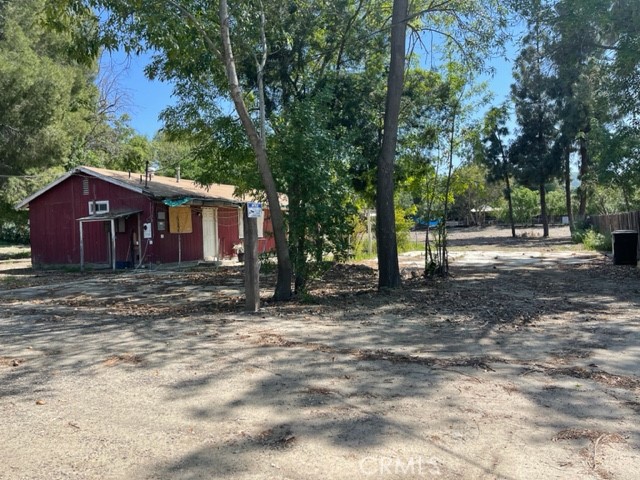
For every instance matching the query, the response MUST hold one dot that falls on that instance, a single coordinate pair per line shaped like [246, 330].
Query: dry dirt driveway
[524, 364]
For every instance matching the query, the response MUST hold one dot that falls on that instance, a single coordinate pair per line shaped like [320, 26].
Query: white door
[209, 234]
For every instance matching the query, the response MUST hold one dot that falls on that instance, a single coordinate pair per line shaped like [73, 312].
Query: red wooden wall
[55, 231]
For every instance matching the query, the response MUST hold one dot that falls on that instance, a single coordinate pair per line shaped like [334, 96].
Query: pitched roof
[158, 187]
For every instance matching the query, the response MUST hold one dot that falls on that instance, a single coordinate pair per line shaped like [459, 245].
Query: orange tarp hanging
[180, 220]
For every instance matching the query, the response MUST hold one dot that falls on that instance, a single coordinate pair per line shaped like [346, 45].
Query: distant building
[118, 219]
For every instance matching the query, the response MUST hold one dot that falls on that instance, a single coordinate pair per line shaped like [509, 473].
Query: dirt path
[523, 365]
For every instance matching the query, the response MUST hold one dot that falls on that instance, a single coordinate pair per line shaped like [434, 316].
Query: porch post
[81, 248]
[139, 242]
[113, 244]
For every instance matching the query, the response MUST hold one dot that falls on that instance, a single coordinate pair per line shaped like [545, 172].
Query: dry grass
[319, 391]
[586, 433]
[10, 362]
[126, 358]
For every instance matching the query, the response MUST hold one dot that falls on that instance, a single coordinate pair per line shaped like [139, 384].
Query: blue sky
[143, 99]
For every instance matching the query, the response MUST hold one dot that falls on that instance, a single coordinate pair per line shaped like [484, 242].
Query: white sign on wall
[254, 209]
[146, 230]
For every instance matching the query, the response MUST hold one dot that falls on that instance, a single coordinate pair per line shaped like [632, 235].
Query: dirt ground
[523, 364]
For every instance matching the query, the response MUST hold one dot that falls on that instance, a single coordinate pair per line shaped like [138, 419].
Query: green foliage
[321, 211]
[134, 155]
[593, 240]
[434, 104]
[13, 251]
[472, 191]
[410, 245]
[556, 203]
[171, 156]
[490, 147]
[14, 223]
[45, 98]
[325, 77]
[592, 65]
[52, 114]
[404, 223]
[14, 232]
[267, 262]
[525, 206]
[359, 239]
[534, 165]
[532, 152]
[611, 198]
[619, 165]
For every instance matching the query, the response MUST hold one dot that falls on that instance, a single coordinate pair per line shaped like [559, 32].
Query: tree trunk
[584, 174]
[301, 275]
[567, 187]
[388, 269]
[510, 202]
[543, 210]
[443, 239]
[507, 182]
[283, 283]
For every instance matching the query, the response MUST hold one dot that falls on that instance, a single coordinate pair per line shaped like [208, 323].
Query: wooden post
[113, 244]
[139, 242]
[81, 248]
[251, 262]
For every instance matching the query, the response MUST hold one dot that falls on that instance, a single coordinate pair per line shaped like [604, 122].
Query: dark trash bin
[625, 247]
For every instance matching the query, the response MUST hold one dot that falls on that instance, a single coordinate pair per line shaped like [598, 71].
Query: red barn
[106, 217]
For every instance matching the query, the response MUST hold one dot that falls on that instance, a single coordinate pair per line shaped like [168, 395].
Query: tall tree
[531, 151]
[389, 271]
[284, 53]
[45, 97]
[577, 64]
[257, 140]
[49, 105]
[595, 50]
[494, 153]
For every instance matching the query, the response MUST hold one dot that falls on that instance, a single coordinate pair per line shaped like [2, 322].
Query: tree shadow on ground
[347, 373]
[526, 238]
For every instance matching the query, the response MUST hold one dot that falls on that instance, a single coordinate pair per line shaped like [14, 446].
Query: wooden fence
[606, 224]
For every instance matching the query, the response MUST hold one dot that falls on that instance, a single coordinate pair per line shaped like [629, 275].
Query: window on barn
[85, 186]
[98, 207]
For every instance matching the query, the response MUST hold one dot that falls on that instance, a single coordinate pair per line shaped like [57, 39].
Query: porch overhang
[110, 217]
[105, 217]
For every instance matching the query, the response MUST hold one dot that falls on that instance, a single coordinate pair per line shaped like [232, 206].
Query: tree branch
[196, 23]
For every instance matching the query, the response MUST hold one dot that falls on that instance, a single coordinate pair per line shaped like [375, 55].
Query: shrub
[593, 240]
[267, 261]
[11, 232]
